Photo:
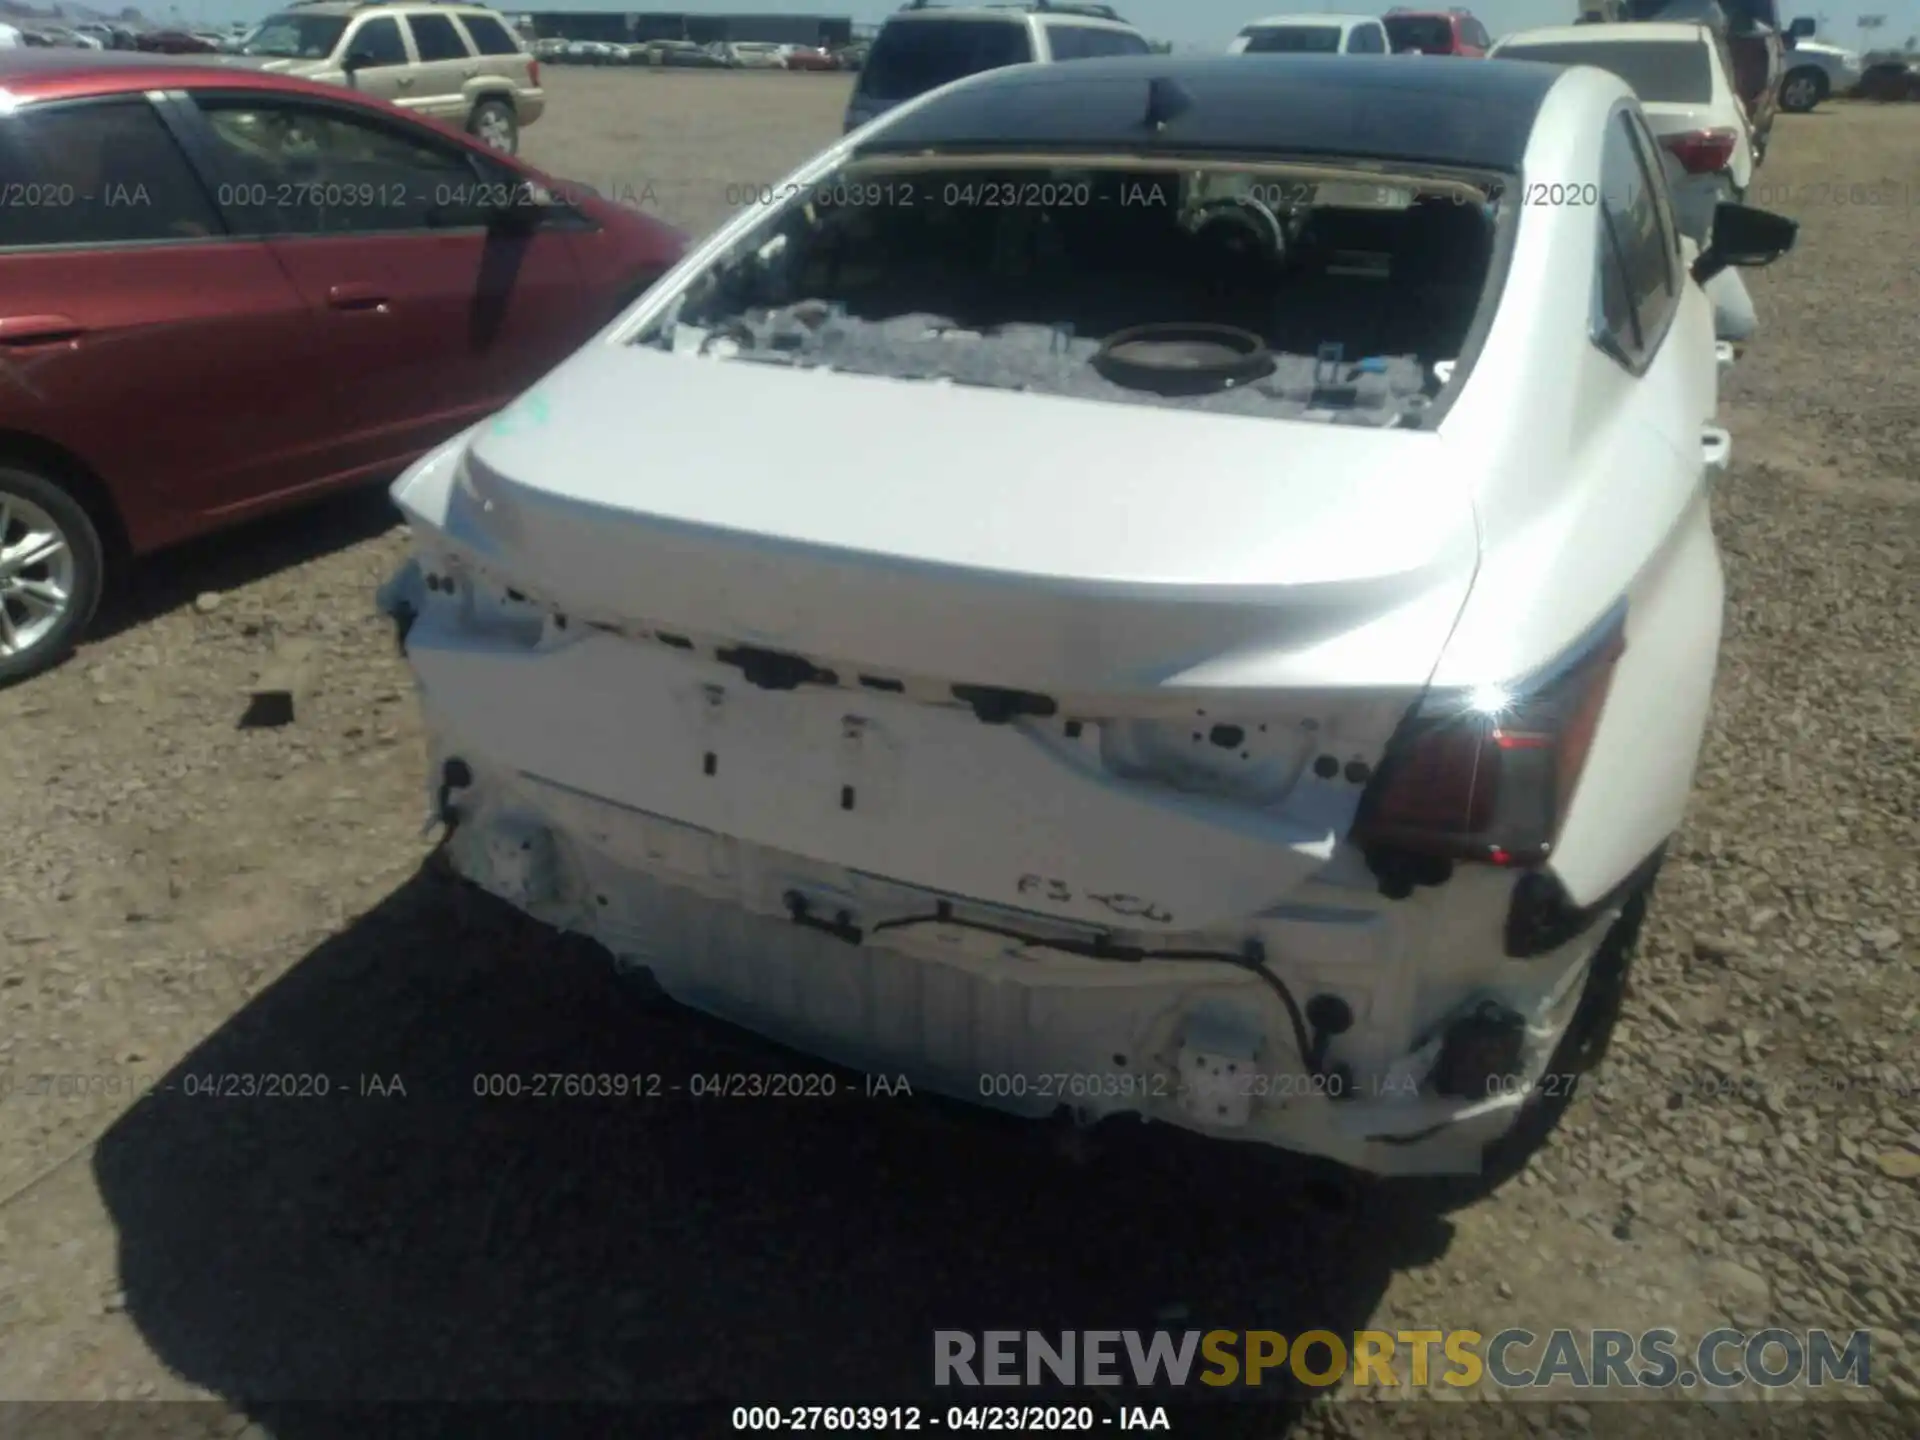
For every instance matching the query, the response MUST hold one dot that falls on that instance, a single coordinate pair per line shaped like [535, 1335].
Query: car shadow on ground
[660, 1252]
[229, 559]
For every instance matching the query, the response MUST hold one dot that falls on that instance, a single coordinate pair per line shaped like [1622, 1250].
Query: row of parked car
[715, 55]
[1788, 65]
[99, 35]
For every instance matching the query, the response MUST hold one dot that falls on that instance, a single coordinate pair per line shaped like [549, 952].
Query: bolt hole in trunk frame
[1279, 251]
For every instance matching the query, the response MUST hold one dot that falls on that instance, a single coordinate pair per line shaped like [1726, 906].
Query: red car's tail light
[1702, 152]
[1489, 776]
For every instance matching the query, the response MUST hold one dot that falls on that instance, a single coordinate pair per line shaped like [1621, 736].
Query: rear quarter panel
[1594, 490]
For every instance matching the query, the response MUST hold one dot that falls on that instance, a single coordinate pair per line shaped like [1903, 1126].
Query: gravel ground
[179, 895]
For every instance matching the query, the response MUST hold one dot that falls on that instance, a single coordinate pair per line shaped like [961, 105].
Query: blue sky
[1210, 23]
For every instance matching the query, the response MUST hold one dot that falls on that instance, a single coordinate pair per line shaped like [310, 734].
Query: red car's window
[1420, 32]
[101, 172]
[322, 170]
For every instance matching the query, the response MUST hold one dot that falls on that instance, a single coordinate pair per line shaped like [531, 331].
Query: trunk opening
[1347, 287]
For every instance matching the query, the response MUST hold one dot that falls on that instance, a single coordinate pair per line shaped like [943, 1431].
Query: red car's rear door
[135, 332]
[427, 317]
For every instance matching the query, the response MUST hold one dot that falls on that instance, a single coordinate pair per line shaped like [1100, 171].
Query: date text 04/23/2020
[204, 1085]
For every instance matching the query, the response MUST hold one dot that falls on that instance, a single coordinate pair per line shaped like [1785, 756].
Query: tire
[1584, 1045]
[1580, 1051]
[495, 125]
[35, 633]
[1802, 90]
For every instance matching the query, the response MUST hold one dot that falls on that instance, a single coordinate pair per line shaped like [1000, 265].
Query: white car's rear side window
[1292, 39]
[1089, 42]
[913, 57]
[1676, 73]
[1639, 280]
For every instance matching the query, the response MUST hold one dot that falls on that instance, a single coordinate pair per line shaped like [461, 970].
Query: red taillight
[533, 72]
[1490, 776]
[1702, 152]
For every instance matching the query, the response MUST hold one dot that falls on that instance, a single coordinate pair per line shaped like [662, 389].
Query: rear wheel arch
[49, 593]
[496, 94]
[60, 465]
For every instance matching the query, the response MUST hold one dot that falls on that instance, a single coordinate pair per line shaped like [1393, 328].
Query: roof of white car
[1666, 32]
[1016, 13]
[1309, 19]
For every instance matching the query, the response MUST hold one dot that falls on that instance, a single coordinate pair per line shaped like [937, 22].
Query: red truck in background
[1436, 32]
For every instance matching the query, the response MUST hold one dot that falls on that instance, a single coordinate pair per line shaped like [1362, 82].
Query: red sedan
[224, 291]
[803, 57]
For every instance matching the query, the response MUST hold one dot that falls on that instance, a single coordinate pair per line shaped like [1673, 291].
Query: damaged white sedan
[1225, 633]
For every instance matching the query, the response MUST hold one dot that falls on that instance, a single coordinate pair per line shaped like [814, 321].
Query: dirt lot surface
[180, 896]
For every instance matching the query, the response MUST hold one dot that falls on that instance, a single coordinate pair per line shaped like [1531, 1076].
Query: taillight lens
[1489, 776]
[1702, 152]
[533, 72]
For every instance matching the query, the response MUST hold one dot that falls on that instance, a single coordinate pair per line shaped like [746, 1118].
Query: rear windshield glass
[1419, 32]
[1015, 277]
[914, 57]
[1292, 39]
[296, 37]
[1675, 74]
[1090, 42]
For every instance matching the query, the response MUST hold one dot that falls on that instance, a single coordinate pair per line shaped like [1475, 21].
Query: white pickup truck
[1815, 70]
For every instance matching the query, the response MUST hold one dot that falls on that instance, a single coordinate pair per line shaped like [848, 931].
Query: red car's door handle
[355, 297]
[19, 331]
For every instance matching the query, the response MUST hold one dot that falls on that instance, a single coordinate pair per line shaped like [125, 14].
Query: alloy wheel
[496, 132]
[36, 575]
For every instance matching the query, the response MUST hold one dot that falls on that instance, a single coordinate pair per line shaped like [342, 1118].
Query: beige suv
[459, 63]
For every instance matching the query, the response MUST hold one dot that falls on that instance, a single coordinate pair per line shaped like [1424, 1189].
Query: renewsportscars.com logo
[1514, 1359]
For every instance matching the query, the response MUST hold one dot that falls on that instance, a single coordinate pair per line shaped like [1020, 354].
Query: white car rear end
[1282, 760]
[1682, 76]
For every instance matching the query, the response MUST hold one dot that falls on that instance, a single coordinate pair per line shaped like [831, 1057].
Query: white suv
[925, 46]
[457, 63]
